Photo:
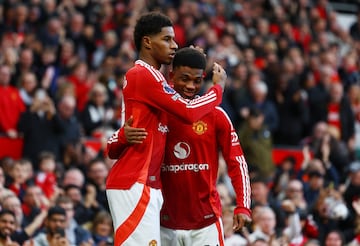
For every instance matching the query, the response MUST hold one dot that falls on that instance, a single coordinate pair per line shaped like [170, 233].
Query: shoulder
[221, 114]
[145, 70]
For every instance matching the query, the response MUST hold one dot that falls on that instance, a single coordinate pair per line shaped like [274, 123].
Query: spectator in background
[290, 106]
[52, 35]
[339, 114]
[261, 196]
[54, 229]
[352, 191]
[86, 207]
[96, 173]
[109, 48]
[34, 202]
[285, 172]
[334, 238]
[11, 104]
[75, 32]
[102, 229]
[76, 234]
[48, 71]
[266, 227]
[26, 64]
[67, 57]
[258, 99]
[83, 80]
[46, 177]
[27, 87]
[24, 229]
[41, 127]
[73, 176]
[355, 27]
[97, 116]
[4, 191]
[19, 178]
[7, 228]
[256, 142]
[70, 140]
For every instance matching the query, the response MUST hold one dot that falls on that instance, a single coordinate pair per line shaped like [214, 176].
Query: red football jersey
[149, 98]
[189, 172]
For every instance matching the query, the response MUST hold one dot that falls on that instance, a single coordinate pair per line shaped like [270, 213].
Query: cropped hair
[7, 211]
[189, 57]
[56, 210]
[150, 24]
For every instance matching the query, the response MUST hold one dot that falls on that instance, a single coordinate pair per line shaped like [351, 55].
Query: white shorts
[212, 235]
[136, 215]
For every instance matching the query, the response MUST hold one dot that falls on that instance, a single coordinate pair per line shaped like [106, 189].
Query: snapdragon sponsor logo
[181, 150]
[195, 167]
[163, 128]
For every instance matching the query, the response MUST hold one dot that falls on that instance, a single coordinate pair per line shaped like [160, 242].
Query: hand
[288, 206]
[240, 220]
[134, 135]
[10, 242]
[219, 75]
[89, 242]
[12, 133]
[198, 48]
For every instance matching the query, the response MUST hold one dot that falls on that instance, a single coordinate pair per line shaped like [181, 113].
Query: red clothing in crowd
[149, 99]
[11, 107]
[47, 182]
[82, 89]
[191, 160]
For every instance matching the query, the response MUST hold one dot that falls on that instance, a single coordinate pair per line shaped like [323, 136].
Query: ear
[147, 42]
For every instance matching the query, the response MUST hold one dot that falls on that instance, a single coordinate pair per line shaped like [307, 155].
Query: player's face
[163, 46]
[187, 81]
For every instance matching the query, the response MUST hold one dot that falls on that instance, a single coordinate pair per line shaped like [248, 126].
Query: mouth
[188, 95]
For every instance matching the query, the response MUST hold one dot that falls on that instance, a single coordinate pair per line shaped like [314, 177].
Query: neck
[149, 60]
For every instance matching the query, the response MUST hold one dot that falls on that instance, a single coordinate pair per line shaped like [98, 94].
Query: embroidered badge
[153, 243]
[199, 127]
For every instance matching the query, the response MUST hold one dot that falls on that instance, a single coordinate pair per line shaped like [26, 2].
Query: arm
[160, 95]
[123, 137]
[237, 168]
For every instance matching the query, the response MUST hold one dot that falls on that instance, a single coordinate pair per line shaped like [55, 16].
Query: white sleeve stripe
[155, 73]
[201, 104]
[226, 115]
[245, 180]
[196, 103]
[203, 98]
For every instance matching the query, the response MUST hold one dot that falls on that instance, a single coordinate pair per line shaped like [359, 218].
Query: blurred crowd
[293, 81]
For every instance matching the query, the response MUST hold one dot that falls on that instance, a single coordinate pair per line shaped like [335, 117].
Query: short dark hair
[56, 210]
[7, 211]
[189, 57]
[149, 24]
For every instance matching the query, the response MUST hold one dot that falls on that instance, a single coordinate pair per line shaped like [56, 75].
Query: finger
[129, 121]
[236, 222]
[137, 132]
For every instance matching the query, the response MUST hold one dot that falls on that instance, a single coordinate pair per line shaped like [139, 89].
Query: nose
[190, 85]
[174, 45]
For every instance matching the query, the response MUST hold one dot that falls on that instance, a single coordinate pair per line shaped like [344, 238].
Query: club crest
[199, 127]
